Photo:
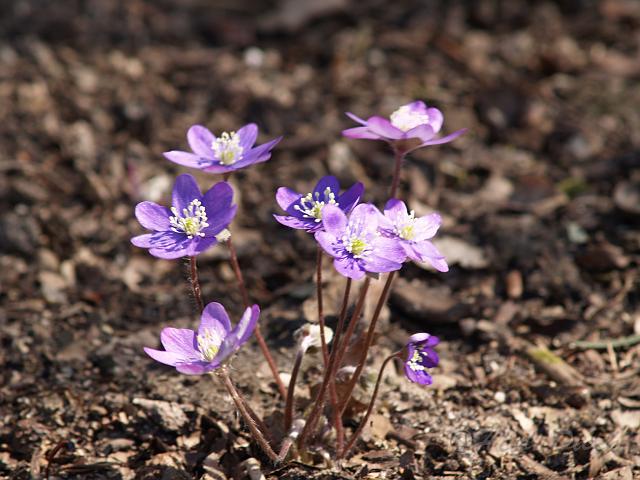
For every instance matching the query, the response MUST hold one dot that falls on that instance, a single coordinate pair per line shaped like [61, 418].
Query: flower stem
[248, 418]
[398, 157]
[288, 409]
[368, 341]
[323, 340]
[364, 420]
[261, 342]
[195, 283]
[334, 362]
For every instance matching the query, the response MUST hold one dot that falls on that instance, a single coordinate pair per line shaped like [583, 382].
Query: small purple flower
[411, 121]
[195, 353]
[192, 223]
[228, 152]
[420, 357]
[413, 233]
[355, 243]
[305, 211]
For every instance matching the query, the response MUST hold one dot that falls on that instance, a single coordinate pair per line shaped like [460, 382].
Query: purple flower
[228, 152]
[411, 121]
[420, 357]
[192, 223]
[413, 233]
[305, 211]
[355, 243]
[200, 352]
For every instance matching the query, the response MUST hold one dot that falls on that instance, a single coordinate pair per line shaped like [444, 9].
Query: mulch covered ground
[539, 315]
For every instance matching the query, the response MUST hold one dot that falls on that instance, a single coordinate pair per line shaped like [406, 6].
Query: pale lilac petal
[143, 241]
[287, 197]
[330, 244]
[361, 133]
[429, 252]
[186, 159]
[168, 358]
[185, 190]
[201, 140]
[447, 139]
[218, 168]
[197, 368]
[365, 214]
[351, 197]
[390, 249]
[248, 135]
[247, 324]
[395, 209]
[356, 118]
[329, 182]
[383, 127]
[419, 376]
[334, 220]
[435, 119]
[417, 106]
[260, 154]
[181, 341]
[167, 245]
[349, 267]
[377, 264]
[420, 338]
[153, 216]
[426, 227]
[423, 132]
[293, 222]
[215, 317]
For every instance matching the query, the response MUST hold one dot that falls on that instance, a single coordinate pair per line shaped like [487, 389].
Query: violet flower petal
[435, 119]
[287, 198]
[356, 118]
[200, 141]
[447, 139]
[181, 341]
[334, 220]
[185, 159]
[215, 317]
[383, 127]
[349, 267]
[423, 132]
[351, 197]
[362, 133]
[185, 190]
[248, 135]
[153, 216]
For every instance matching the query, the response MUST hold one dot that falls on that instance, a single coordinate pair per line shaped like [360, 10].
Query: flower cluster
[363, 242]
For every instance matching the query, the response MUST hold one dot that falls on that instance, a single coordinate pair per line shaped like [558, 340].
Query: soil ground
[541, 202]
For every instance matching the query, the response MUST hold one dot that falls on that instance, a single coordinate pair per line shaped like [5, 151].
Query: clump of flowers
[365, 244]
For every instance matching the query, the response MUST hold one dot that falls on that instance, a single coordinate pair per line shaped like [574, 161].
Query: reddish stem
[323, 340]
[195, 283]
[398, 157]
[261, 342]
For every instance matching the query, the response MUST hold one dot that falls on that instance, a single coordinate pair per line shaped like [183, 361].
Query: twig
[623, 342]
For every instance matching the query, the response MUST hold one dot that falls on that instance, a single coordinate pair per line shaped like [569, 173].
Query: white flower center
[192, 220]
[405, 228]
[208, 344]
[405, 118]
[311, 205]
[227, 148]
[415, 362]
[357, 240]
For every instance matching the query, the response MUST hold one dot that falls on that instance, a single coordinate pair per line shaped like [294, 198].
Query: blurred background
[540, 199]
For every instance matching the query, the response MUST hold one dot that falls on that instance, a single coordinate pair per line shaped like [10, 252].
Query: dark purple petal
[329, 182]
[447, 139]
[423, 132]
[435, 119]
[430, 358]
[356, 118]
[383, 127]
[361, 133]
[351, 197]
[217, 203]
[215, 317]
[287, 197]
[417, 376]
[185, 190]
[219, 168]
[349, 267]
[153, 216]
[198, 245]
[185, 158]
[181, 341]
[201, 141]
[297, 223]
[248, 135]
[334, 220]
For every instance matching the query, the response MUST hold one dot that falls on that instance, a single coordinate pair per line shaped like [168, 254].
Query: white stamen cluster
[227, 148]
[416, 358]
[405, 118]
[355, 240]
[192, 220]
[404, 228]
[311, 205]
[208, 344]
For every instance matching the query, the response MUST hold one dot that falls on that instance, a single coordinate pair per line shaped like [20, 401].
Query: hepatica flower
[225, 153]
[420, 357]
[355, 243]
[191, 225]
[195, 353]
[305, 211]
[411, 121]
[413, 234]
